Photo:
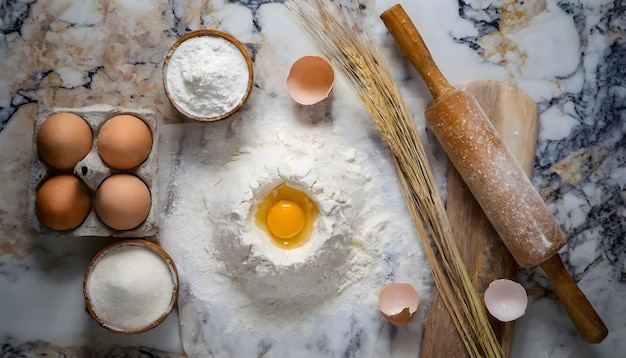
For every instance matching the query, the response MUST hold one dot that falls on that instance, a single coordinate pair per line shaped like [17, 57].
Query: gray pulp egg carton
[93, 171]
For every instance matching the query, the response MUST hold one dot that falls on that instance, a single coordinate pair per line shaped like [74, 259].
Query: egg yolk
[285, 219]
[287, 216]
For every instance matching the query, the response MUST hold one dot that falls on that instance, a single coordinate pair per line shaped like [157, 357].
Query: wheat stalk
[340, 32]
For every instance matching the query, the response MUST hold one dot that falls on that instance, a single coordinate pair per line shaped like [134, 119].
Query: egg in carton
[93, 170]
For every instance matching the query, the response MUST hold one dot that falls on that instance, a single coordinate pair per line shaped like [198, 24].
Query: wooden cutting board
[514, 115]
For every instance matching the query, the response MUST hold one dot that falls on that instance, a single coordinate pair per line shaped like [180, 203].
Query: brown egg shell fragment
[310, 80]
[398, 303]
[401, 319]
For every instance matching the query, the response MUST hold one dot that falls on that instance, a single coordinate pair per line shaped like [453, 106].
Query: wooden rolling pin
[514, 114]
[495, 178]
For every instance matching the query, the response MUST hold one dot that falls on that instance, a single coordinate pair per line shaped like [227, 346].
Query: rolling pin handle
[581, 312]
[412, 45]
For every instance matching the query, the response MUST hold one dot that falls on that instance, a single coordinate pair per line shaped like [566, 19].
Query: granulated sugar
[241, 294]
[130, 287]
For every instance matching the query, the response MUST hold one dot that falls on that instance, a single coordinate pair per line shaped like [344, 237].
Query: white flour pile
[240, 295]
[207, 76]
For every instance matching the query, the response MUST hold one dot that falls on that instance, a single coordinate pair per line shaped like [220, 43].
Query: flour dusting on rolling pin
[510, 201]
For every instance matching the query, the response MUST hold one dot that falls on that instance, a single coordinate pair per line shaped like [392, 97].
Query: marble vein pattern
[569, 55]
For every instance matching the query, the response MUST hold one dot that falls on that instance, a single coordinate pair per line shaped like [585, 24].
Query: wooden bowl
[112, 247]
[208, 32]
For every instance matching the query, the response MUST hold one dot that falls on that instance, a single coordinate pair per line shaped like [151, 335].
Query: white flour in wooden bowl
[207, 76]
[241, 296]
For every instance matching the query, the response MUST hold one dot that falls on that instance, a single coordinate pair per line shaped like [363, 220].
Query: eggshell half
[310, 80]
[506, 300]
[398, 303]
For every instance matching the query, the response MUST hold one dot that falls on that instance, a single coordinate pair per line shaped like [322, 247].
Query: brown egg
[310, 80]
[123, 201]
[398, 303]
[63, 140]
[63, 202]
[124, 142]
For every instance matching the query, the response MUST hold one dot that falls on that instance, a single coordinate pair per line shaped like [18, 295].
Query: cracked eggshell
[398, 303]
[506, 300]
[310, 80]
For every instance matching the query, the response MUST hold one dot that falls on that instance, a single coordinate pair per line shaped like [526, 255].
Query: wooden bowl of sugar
[207, 75]
[130, 286]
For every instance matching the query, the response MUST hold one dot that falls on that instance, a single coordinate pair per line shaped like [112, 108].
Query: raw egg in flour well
[287, 215]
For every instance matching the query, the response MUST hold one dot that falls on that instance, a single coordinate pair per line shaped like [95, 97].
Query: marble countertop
[567, 55]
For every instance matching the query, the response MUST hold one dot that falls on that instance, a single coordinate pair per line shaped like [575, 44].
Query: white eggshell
[398, 303]
[506, 300]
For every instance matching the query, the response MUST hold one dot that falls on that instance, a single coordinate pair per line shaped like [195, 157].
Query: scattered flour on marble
[207, 76]
[239, 291]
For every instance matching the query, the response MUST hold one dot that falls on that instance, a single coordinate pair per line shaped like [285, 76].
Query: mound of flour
[241, 295]
[207, 76]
